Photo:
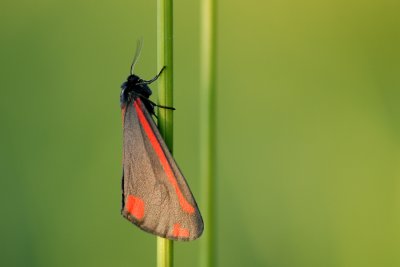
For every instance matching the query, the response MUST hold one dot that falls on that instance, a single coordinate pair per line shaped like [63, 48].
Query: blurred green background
[308, 131]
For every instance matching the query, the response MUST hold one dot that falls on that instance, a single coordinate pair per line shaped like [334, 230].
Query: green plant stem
[207, 130]
[165, 118]
[164, 252]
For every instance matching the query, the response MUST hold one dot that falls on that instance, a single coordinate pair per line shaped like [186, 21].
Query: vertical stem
[165, 251]
[207, 121]
[165, 119]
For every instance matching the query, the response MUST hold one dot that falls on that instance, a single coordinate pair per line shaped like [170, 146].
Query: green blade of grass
[207, 129]
[165, 94]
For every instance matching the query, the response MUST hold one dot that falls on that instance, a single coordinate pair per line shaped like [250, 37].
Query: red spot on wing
[179, 231]
[135, 206]
[161, 156]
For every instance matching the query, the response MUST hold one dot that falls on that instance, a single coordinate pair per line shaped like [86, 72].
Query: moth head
[133, 79]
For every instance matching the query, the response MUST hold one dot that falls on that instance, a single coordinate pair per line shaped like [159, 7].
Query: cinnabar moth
[155, 194]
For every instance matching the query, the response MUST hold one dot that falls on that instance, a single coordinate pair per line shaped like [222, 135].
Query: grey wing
[156, 196]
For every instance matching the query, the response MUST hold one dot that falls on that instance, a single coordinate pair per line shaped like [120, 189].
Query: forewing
[156, 196]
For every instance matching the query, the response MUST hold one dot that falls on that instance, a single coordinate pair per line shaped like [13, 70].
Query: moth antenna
[154, 79]
[137, 53]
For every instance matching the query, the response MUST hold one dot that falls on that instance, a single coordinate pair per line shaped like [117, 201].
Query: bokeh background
[308, 123]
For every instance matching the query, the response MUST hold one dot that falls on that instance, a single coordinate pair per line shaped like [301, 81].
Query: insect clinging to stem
[155, 194]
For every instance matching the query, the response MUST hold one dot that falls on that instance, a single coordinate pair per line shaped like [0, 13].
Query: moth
[155, 194]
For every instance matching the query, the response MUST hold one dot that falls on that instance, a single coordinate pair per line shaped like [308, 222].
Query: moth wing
[156, 196]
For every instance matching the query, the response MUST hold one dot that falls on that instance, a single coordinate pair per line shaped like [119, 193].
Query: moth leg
[160, 106]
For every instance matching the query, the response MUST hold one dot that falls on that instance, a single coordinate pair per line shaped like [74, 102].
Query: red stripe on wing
[161, 156]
